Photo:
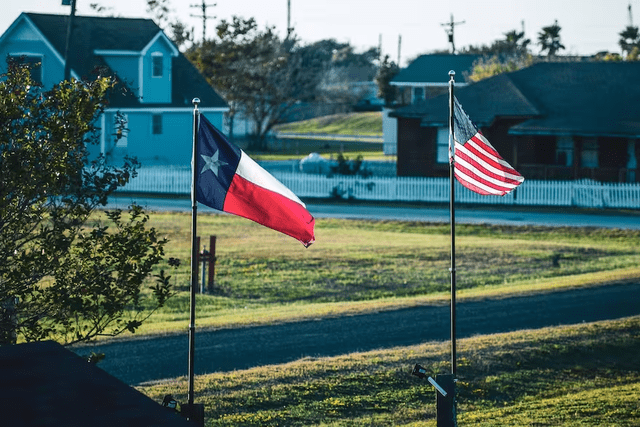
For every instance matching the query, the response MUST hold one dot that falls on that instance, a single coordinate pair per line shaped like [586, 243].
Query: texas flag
[230, 181]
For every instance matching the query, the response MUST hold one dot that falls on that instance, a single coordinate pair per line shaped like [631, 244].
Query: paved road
[479, 215]
[149, 359]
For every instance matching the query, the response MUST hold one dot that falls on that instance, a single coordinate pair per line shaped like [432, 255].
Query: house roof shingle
[45, 384]
[435, 68]
[122, 34]
[578, 98]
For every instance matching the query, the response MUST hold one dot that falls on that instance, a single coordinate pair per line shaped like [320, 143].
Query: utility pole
[204, 16]
[289, 27]
[450, 30]
[67, 48]
[399, 49]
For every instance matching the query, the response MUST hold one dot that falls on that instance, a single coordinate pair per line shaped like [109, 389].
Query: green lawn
[364, 124]
[345, 126]
[582, 375]
[358, 266]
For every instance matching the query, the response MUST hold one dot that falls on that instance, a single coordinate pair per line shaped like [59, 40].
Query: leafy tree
[387, 71]
[629, 39]
[484, 68]
[162, 15]
[513, 45]
[63, 275]
[249, 67]
[549, 39]
[503, 56]
[257, 73]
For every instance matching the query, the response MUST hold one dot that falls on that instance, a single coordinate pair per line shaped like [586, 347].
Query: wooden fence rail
[585, 193]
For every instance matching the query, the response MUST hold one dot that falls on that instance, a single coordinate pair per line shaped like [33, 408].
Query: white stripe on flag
[487, 167]
[253, 172]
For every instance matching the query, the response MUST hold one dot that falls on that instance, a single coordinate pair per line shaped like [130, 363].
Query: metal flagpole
[453, 222]
[194, 249]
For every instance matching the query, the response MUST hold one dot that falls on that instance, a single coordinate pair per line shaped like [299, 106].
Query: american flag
[477, 165]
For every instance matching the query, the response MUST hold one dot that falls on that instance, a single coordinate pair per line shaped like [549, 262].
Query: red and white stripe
[255, 194]
[480, 168]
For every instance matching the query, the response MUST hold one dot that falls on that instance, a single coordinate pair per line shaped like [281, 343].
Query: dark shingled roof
[97, 33]
[46, 385]
[577, 98]
[435, 68]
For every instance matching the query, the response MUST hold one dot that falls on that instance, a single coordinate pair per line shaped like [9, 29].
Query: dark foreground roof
[579, 98]
[435, 69]
[43, 384]
[124, 34]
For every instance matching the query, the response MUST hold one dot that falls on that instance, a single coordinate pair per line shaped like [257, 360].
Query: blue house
[156, 82]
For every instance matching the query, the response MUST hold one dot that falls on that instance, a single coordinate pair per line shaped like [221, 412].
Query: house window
[589, 153]
[418, 94]
[157, 65]
[156, 124]
[442, 155]
[564, 151]
[33, 61]
[121, 131]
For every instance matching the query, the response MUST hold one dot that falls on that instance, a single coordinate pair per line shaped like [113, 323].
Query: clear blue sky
[588, 26]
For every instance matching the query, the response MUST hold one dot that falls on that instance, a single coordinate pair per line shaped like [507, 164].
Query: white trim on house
[105, 52]
[38, 33]
[103, 133]
[425, 84]
[165, 110]
[141, 78]
[161, 34]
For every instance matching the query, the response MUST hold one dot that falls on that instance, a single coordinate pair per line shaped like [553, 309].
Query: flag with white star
[230, 181]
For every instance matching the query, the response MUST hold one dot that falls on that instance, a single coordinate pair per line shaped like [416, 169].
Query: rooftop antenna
[204, 16]
[450, 30]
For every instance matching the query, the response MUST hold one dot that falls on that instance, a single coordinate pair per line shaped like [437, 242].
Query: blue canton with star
[217, 161]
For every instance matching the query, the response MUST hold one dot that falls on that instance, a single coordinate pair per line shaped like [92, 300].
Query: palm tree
[549, 39]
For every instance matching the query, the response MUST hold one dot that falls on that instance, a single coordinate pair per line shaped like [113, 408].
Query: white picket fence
[586, 193]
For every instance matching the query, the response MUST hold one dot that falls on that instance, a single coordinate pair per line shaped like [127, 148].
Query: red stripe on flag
[487, 172]
[471, 186]
[270, 209]
[478, 181]
[485, 152]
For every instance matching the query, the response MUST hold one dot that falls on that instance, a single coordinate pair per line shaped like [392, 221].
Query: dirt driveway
[140, 360]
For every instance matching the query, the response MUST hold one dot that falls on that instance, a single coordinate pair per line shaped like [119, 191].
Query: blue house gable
[156, 82]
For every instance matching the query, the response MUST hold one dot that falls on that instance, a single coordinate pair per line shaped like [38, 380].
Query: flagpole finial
[452, 74]
[195, 102]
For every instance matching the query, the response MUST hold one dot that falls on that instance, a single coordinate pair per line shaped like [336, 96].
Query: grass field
[360, 266]
[583, 375]
[364, 124]
[368, 124]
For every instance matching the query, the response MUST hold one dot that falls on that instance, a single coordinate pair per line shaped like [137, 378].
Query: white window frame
[155, 56]
[589, 155]
[442, 146]
[19, 55]
[123, 142]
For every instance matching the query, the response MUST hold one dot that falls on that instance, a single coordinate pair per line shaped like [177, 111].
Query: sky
[588, 26]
